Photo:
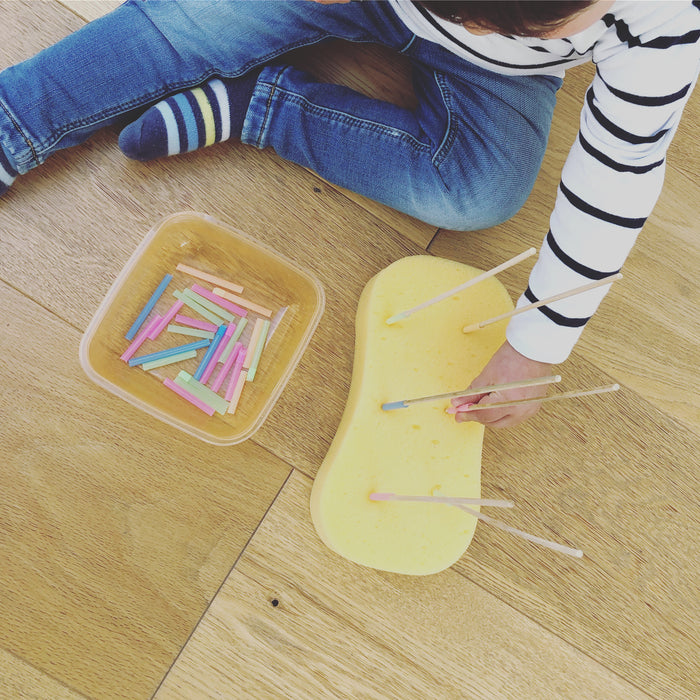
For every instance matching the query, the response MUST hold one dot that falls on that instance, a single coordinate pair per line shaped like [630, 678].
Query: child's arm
[507, 365]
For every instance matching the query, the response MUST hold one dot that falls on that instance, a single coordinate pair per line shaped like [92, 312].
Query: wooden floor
[136, 562]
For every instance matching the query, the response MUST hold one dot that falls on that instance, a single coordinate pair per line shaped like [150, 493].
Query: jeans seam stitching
[21, 133]
[344, 117]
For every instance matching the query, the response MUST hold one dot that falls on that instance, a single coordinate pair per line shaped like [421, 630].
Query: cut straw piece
[238, 389]
[234, 339]
[447, 500]
[563, 549]
[209, 369]
[538, 381]
[219, 301]
[226, 367]
[186, 330]
[203, 393]
[209, 305]
[468, 408]
[236, 371]
[181, 357]
[131, 333]
[169, 352]
[542, 302]
[255, 308]
[169, 315]
[196, 323]
[153, 327]
[451, 292]
[258, 351]
[139, 340]
[206, 360]
[253, 343]
[206, 277]
[188, 301]
[182, 391]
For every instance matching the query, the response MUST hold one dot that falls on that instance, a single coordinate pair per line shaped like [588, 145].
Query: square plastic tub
[268, 279]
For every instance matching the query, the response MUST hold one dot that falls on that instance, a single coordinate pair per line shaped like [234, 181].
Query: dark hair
[515, 17]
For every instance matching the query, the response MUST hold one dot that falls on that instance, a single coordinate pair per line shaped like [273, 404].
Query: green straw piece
[209, 305]
[181, 357]
[204, 393]
[258, 351]
[198, 308]
[186, 330]
[234, 339]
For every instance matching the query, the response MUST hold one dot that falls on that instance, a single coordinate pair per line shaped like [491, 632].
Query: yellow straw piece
[253, 343]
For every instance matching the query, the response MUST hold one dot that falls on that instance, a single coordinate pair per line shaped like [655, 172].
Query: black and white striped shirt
[647, 57]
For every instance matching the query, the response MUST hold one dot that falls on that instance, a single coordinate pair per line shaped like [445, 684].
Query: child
[485, 75]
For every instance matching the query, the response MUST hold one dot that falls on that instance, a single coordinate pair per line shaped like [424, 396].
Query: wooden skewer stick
[542, 302]
[525, 535]
[448, 500]
[451, 292]
[538, 381]
[566, 395]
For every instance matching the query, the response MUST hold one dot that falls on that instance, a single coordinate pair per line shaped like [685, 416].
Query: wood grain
[20, 681]
[116, 530]
[341, 631]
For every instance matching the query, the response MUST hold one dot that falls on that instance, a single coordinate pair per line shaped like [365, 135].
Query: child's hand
[507, 365]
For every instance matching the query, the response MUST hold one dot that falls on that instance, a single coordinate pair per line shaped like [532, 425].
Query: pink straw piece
[153, 333]
[163, 324]
[195, 323]
[226, 367]
[219, 301]
[462, 408]
[209, 410]
[230, 329]
[138, 341]
[235, 374]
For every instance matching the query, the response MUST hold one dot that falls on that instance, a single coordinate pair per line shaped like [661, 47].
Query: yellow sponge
[418, 450]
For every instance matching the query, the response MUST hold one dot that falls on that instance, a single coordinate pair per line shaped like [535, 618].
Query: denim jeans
[465, 158]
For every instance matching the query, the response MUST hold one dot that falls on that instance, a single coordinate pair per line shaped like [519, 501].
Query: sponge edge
[419, 450]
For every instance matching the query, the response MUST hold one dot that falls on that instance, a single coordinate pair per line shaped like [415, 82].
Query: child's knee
[478, 205]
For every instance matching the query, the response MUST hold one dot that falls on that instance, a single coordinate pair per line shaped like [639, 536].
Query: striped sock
[8, 174]
[190, 120]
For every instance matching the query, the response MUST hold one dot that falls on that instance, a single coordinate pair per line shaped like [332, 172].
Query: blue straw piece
[394, 404]
[148, 308]
[210, 352]
[169, 352]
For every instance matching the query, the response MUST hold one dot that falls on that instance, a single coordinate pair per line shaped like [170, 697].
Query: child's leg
[143, 51]
[465, 159]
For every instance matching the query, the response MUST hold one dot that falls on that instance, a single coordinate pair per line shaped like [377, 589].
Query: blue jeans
[466, 158]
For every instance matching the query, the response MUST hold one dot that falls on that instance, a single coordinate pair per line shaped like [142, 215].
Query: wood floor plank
[20, 681]
[115, 533]
[646, 333]
[342, 631]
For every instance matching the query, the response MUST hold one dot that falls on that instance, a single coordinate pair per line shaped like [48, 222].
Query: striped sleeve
[611, 180]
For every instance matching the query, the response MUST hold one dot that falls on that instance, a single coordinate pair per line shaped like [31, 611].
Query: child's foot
[191, 119]
[7, 173]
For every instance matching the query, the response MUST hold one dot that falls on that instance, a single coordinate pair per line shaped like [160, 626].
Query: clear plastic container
[203, 243]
